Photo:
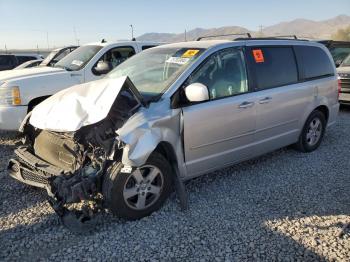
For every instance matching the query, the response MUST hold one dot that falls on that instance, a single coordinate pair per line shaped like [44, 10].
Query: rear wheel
[312, 133]
[139, 193]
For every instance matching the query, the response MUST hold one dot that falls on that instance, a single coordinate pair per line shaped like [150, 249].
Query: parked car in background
[10, 61]
[344, 79]
[339, 50]
[21, 90]
[57, 54]
[178, 110]
[29, 64]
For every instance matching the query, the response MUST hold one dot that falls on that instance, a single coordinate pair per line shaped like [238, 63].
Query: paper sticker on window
[190, 53]
[77, 62]
[177, 60]
[258, 56]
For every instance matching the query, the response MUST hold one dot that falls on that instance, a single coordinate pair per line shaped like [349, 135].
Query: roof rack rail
[210, 36]
[285, 36]
[279, 37]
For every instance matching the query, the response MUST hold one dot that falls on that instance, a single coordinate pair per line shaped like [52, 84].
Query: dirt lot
[285, 206]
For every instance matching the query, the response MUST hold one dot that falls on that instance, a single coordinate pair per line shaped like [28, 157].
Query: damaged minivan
[172, 113]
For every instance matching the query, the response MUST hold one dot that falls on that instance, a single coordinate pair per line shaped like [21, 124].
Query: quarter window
[314, 61]
[224, 74]
[274, 66]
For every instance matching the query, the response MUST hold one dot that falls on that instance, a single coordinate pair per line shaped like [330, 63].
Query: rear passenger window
[274, 66]
[6, 60]
[22, 59]
[314, 62]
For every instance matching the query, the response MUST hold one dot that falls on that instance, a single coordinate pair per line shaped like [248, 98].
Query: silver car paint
[214, 138]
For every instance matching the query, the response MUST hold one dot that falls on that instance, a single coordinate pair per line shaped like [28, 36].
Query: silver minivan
[172, 113]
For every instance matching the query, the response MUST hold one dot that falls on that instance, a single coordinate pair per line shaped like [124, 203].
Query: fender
[142, 133]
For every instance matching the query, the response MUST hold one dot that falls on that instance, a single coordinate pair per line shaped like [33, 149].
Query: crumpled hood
[77, 106]
[27, 72]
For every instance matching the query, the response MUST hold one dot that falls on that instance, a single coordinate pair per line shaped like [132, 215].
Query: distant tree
[342, 34]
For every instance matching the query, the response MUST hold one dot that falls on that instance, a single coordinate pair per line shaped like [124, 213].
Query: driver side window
[116, 56]
[223, 73]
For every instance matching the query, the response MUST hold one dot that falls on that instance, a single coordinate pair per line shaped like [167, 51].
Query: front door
[220, 131]
[113, 57]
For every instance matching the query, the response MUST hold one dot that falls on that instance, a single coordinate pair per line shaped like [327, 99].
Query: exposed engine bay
[74, 138]
[82, 157]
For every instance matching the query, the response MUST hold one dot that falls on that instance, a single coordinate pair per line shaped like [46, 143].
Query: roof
[68, 46]
[23, 54]
[126, 42]
[248, 41]
[196, 44]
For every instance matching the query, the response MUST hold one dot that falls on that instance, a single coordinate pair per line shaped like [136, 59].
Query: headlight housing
[10, 96]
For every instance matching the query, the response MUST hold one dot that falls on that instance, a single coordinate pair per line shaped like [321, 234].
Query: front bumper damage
[31, 170]
[69, 155]
[62, 188]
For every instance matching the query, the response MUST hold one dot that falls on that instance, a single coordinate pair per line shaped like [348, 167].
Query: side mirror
[337, 63]
[197, 92]
[102, 68]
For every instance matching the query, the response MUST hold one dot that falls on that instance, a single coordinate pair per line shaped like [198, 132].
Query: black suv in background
[338, 49]
[8, 61]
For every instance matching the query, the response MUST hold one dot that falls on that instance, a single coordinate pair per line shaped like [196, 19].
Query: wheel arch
[324, 109]
[32, 103]
[167, 150]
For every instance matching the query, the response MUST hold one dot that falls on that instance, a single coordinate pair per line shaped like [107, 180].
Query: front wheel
[139, 193]
[312, 133]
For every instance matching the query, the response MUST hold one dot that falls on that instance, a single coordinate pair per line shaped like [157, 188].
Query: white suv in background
[21, 90]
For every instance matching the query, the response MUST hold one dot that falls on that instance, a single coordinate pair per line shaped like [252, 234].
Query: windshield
[47, 60]
[154, 70]
[78, 58]
[346, 61]
[339, 54]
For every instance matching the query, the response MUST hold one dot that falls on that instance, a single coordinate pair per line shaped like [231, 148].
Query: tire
[313, 131]
[124, 193]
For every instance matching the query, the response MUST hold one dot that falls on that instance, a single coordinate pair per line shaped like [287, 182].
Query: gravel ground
[284, 206]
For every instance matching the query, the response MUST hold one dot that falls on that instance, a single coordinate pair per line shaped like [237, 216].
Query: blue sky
[25, 23]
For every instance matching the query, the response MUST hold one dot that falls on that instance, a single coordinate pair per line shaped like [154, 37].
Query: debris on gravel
[285, 206]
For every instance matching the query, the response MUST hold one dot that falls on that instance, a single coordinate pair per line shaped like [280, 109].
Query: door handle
[246, 104]
[73, 74]
[265, 100]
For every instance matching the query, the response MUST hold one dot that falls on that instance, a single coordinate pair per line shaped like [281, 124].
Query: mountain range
[302, 28]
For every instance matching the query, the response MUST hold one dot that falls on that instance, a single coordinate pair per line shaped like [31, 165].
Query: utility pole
[47, 39]
[261, 30]
[185, 35]
[132, 32]
[5, 49]
[75, 35]
[37, 48]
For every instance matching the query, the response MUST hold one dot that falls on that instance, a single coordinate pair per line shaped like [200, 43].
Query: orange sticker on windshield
[258, 56]
[190, 53]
